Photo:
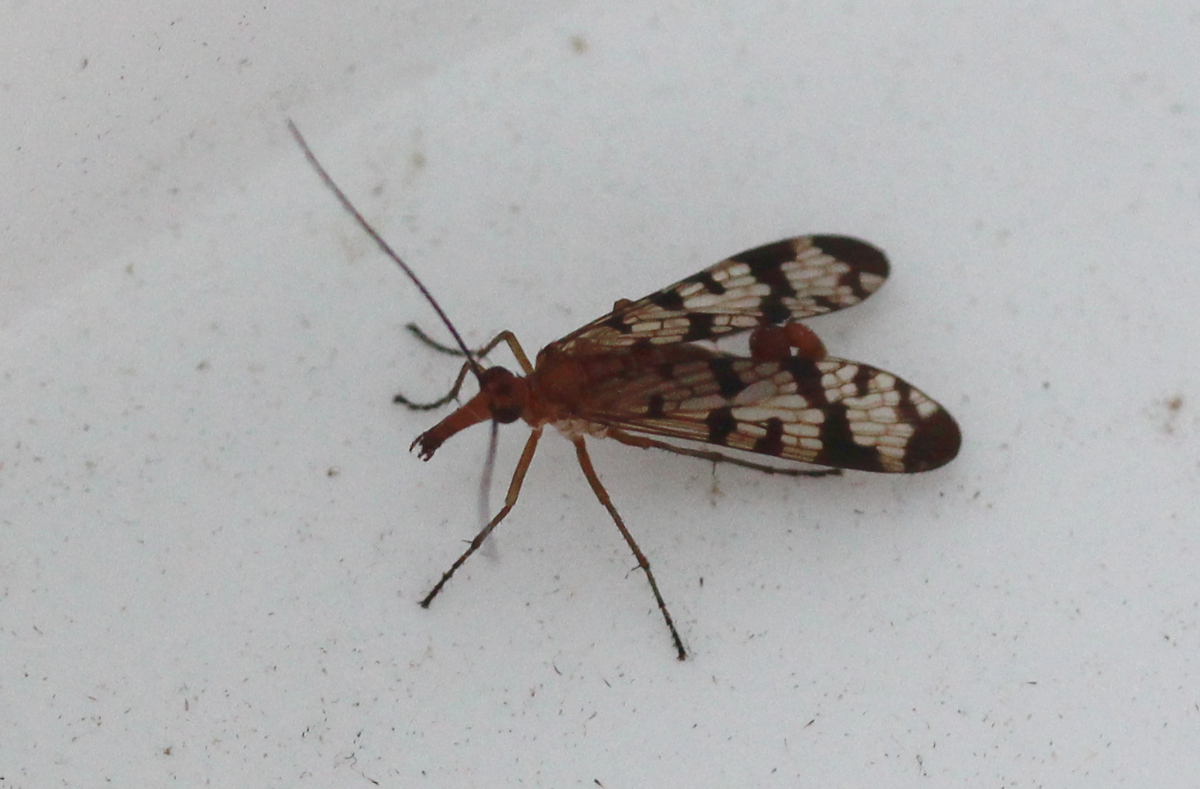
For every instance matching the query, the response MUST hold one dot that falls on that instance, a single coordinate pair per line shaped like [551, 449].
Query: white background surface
[194, 335]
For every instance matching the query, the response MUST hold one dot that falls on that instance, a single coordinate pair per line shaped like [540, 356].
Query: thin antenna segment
[383, 245]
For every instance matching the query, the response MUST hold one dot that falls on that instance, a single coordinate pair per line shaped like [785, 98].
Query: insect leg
[716, 457]
[585, 462]
[514, 490]
[441, 401]
[504, 336]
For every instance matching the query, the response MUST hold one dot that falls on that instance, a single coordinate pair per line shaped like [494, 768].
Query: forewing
[830, 412]
[787, 280]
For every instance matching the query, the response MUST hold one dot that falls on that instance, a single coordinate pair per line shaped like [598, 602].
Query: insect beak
[472, 412]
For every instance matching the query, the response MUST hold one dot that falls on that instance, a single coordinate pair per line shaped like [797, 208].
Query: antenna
[383, 245]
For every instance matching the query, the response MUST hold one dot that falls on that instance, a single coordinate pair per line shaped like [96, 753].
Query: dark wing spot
[767, 256]
[711, 285]
[908, 411]
[773, 310]
[826, 304]
[765, 265]
[728, 382]
[935, 443]
[700, 326]
[720, 423]
[765, 262]
[772, 442]
[667, 299]
[614, 321]
[859, 254]
[838, 448]
[654, 407]
[862, 381]
[807, 376]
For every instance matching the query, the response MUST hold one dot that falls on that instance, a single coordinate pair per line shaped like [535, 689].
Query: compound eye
[506, 415]
[505, 394]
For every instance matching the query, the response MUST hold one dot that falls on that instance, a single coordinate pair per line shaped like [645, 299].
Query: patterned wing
[831, 412]
[787, 280]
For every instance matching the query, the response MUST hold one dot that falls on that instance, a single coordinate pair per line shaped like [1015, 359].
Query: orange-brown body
[556, 391]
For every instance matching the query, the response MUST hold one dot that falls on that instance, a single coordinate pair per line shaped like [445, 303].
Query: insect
[640, 376]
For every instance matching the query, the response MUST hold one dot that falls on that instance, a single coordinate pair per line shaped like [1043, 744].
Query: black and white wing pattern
[831, 412]
[788, 280]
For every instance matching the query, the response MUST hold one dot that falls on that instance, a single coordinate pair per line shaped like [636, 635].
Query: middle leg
[589, 471]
